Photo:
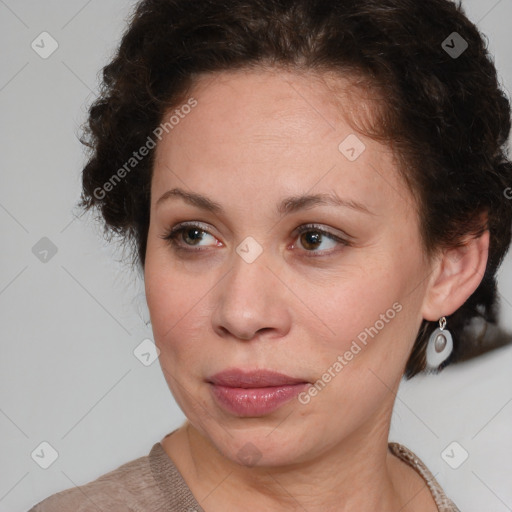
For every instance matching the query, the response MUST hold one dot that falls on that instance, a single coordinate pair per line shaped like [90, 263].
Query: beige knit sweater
[153, 484]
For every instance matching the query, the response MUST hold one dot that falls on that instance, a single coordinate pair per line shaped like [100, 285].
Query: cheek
[174, 308]
[372, 314]
[355, 368]
[178, 305]
[180, 327]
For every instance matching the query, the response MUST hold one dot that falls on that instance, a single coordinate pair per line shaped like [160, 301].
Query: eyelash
[172, 234]
[315, 228]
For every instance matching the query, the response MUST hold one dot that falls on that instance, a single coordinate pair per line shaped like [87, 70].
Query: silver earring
[440, 346]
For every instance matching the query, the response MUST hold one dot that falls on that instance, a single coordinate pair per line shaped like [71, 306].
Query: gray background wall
[71, 320]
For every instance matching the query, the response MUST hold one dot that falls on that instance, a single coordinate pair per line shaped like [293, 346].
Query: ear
[457, 273]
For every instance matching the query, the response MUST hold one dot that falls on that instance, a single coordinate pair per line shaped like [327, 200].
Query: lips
[236, 378]
[253, 393]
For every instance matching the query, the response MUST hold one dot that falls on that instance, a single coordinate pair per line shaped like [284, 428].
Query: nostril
[263, 330]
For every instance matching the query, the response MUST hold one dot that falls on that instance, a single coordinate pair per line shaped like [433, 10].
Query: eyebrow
[286, 206]
[303, 202]
[198, 200]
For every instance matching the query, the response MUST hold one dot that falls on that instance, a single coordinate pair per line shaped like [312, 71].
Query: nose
[251, 301]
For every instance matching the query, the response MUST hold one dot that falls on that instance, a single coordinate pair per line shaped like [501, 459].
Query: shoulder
[129, 487]
[444, 504]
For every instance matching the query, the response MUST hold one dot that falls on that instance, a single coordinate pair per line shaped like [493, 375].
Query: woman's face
[301, 254]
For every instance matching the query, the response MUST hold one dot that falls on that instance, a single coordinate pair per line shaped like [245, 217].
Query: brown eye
[193, 234]
[316, 240]
[311, 239]
[189, 235]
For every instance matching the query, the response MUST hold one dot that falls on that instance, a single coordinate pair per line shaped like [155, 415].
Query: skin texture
[255, 138]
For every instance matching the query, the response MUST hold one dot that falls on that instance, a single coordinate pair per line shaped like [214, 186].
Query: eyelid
[191, 224]
[170, 235]
[342, 240]
[336, 234]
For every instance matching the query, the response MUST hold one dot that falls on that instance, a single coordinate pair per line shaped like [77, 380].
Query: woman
[315, 191]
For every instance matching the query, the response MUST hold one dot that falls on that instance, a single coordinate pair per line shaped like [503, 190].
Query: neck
[358, 473]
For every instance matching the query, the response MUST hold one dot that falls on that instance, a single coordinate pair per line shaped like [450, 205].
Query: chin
[261, 445]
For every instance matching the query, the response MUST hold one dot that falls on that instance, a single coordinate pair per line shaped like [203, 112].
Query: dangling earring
[440, 346]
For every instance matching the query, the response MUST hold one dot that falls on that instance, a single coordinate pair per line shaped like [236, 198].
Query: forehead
[301, 101]
[277, 131]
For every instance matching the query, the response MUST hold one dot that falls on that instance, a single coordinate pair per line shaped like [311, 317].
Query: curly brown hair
[444, 114]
